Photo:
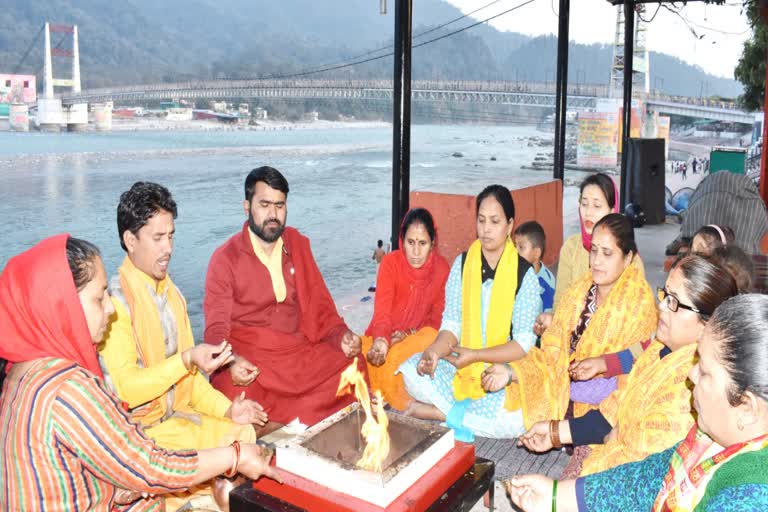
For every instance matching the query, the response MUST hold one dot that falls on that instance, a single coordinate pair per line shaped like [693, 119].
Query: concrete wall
[455, 216]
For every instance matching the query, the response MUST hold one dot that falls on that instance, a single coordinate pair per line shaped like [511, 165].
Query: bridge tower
[641, 73]
[51, 114]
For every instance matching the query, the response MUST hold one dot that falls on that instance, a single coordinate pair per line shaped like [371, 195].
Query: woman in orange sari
[410, 296]
[652, 410]
[605, 311]
[720, 465]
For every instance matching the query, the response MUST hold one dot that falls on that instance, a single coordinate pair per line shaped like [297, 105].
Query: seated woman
[492, 299]
[608, 309]
[652, 410]
[66, 442]
[410, 297]
[721, 463]
[597, 198]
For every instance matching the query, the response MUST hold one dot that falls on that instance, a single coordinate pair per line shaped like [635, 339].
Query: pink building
[18, 89]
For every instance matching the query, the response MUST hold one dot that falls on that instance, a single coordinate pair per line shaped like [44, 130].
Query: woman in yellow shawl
[491, 301]
[605, 311]
[652, 410]
[720, 464]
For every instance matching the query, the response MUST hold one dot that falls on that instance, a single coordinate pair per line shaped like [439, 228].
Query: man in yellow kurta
[148, 354]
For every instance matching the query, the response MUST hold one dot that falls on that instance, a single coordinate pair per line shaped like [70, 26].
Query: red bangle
[236, 461]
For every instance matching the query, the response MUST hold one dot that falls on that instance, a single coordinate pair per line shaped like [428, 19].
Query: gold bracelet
[554, 433]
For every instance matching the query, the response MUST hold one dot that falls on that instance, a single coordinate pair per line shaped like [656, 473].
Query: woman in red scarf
[410, 297]
[65, 441]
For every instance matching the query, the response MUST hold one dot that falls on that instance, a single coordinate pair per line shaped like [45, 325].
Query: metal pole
[401, 116]
[626, 121]
[764, 152]
[561, 89]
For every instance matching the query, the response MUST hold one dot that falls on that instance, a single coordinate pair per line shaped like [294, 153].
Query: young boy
[530, 242]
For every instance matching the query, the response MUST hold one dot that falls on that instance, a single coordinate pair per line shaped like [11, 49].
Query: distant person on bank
[379, 252]
[265, 295]
[410, 297]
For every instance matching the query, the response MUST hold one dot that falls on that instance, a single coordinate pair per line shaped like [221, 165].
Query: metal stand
[561, 88]
[401, 116]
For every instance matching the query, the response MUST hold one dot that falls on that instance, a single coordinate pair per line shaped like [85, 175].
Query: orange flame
[374, 432]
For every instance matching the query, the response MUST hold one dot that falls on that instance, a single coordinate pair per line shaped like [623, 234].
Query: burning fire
[374, 432]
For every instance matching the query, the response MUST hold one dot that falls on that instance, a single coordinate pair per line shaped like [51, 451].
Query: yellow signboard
[598, 139]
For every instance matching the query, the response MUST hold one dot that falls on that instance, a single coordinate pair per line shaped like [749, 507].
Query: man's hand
[245, 411]
[428, 363]
[208, 358]
[243, 372]
[351, 344]
[587, 369]
[537, 439]
[543, 321]
[461, 357]
[378, 353]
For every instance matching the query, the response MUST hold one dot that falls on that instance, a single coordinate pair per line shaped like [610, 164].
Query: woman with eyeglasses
[720, 464]
[650, 411]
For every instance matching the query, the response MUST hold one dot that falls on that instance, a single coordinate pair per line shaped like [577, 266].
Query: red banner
[68, 29]
[61, 52]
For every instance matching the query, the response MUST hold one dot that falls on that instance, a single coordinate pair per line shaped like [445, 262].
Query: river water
[340, 182]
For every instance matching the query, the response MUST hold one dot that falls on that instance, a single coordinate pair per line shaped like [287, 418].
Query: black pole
[401, 116]
[561, 89]
[626, 120]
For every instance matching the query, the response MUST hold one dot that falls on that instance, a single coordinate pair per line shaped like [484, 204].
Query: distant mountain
[141, 41]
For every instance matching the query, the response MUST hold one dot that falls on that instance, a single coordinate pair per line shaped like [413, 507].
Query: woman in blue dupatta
[491, 303]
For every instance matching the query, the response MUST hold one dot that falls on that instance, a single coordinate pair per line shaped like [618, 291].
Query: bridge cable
[29, 49]
[424, 43]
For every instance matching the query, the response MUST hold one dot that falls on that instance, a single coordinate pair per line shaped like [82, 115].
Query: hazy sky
[724, 27]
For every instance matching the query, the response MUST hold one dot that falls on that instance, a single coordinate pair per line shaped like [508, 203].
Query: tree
[750, 70]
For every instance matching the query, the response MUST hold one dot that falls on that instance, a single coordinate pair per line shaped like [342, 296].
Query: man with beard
[148, 355]
[265, 295]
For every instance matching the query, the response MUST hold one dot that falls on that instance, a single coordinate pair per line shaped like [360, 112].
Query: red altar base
[309, 495]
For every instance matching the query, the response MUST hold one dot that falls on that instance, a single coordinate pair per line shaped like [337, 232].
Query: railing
[220, 87]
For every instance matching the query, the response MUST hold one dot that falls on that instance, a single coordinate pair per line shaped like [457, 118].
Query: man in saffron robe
[265, 295]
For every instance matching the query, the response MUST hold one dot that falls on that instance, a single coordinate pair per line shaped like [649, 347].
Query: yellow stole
[148, 334]
[543, 384]
[466, 383]
[652, 411]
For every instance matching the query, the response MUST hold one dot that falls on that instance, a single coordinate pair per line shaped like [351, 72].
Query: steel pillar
[764, 152]
[401, 116]
[626, 115]
[561, 88]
